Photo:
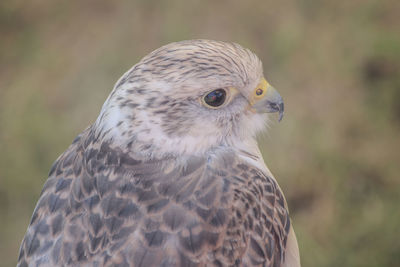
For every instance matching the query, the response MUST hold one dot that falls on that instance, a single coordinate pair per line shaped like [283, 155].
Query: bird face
[263, 99]
[190, 96]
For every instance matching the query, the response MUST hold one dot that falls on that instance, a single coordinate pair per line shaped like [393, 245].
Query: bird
[170, 172]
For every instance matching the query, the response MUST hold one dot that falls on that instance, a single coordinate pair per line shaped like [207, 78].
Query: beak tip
[280, 116]
[281, 111]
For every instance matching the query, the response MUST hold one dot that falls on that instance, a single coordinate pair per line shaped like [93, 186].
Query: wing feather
[105, 207]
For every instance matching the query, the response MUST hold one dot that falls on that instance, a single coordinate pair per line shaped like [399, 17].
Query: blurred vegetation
[336, 154]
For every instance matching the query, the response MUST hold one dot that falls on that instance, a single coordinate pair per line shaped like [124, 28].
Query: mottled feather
[212, 210]
[118, 198]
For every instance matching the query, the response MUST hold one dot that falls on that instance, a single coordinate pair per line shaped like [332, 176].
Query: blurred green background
[336, 154]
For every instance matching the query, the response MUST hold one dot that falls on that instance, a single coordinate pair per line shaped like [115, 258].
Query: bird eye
[215, 98]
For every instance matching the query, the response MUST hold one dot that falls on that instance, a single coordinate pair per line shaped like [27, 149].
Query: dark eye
[215, 98]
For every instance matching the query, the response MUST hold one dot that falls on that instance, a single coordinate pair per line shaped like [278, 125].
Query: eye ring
[215, 98]
[259, 91]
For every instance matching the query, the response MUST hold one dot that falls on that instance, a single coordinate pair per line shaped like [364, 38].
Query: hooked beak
[272, 102]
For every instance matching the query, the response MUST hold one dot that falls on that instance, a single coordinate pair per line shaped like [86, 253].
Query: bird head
[189, 97]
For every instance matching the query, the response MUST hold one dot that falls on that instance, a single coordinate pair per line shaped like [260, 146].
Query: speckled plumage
[161, 180]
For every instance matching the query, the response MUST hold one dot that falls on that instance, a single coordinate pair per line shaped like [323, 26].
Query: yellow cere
[260, 91]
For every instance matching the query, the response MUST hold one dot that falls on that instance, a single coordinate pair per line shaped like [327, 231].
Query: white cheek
[195, 142]
[259, 123]
[206, 130]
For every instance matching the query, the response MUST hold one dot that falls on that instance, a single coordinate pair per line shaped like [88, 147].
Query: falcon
[170, 173]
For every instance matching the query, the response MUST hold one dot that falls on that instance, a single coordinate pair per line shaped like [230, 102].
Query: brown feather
[160, 179]
[103, 206]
